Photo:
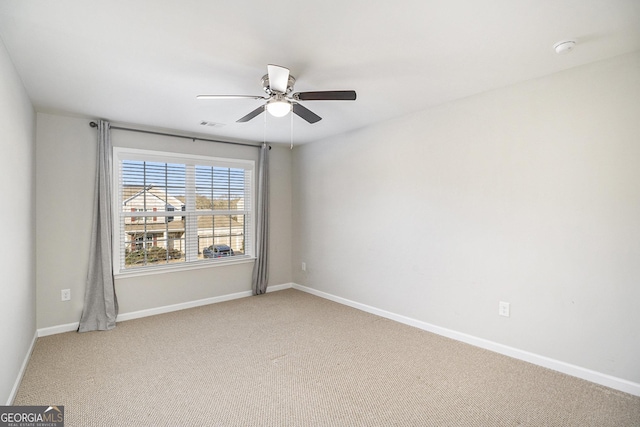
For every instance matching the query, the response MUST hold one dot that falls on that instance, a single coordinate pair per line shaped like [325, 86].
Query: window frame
[191, 261]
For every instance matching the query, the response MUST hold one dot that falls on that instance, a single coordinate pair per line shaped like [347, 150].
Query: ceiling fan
[278, 84]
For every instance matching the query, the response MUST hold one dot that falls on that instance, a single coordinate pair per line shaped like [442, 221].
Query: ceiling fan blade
[230, 97]
[251, 115]
[305, 113]
[278, 78]
[326, 95]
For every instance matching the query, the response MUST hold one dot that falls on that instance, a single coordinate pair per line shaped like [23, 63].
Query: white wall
[17, 254]
[65, 163]
[66, 151]
[529, 194]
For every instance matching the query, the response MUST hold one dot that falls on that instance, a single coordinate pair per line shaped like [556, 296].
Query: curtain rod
[95, 125]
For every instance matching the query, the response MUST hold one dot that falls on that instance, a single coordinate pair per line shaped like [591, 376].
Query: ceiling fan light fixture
[278, 107]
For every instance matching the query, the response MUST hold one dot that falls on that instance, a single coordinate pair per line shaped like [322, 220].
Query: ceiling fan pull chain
[264, 132]
[291, 131]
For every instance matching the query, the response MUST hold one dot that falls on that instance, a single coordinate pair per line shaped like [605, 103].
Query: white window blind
[175, 210]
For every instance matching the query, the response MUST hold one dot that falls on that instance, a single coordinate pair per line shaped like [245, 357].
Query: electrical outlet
[503, 309]
[66, 295]
[304, 266]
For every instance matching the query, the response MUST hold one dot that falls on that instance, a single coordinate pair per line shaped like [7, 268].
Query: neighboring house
[169, 231]
[162, 231]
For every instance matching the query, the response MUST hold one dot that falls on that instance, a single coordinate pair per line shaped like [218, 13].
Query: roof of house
[131, 193]
[222, 222]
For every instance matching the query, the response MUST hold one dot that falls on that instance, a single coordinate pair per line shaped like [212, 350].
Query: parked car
[217, 251]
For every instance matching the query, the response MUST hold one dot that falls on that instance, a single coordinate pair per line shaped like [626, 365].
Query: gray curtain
[261, 267]
[100, 302]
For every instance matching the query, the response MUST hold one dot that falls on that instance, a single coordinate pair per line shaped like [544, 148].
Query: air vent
[211, 124]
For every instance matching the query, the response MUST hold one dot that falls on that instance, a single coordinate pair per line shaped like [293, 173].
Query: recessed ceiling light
[564, 46]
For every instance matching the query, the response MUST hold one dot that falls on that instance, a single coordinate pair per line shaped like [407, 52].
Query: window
[174, 210]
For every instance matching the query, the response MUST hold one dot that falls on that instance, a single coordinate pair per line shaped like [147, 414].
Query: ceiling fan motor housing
[267, 87]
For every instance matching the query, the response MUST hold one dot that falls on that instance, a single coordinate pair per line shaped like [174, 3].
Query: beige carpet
[292, 359]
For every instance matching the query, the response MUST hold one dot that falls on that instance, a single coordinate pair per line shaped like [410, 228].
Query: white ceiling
[144, 61]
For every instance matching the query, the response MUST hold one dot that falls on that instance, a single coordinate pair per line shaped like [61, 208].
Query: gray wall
[529, 194]
[17, 253]
[66, 150]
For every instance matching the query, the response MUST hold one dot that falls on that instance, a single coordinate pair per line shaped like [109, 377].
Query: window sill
[198, 265]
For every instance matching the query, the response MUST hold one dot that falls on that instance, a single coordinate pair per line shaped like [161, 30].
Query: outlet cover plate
[503, 309]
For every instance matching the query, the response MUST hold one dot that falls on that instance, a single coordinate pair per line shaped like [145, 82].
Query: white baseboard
[23, 368]
[536, 359]
[556, 365]
[181, 306]
[58, 329]
[70, 327]
[280, 287]
[192, 304]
